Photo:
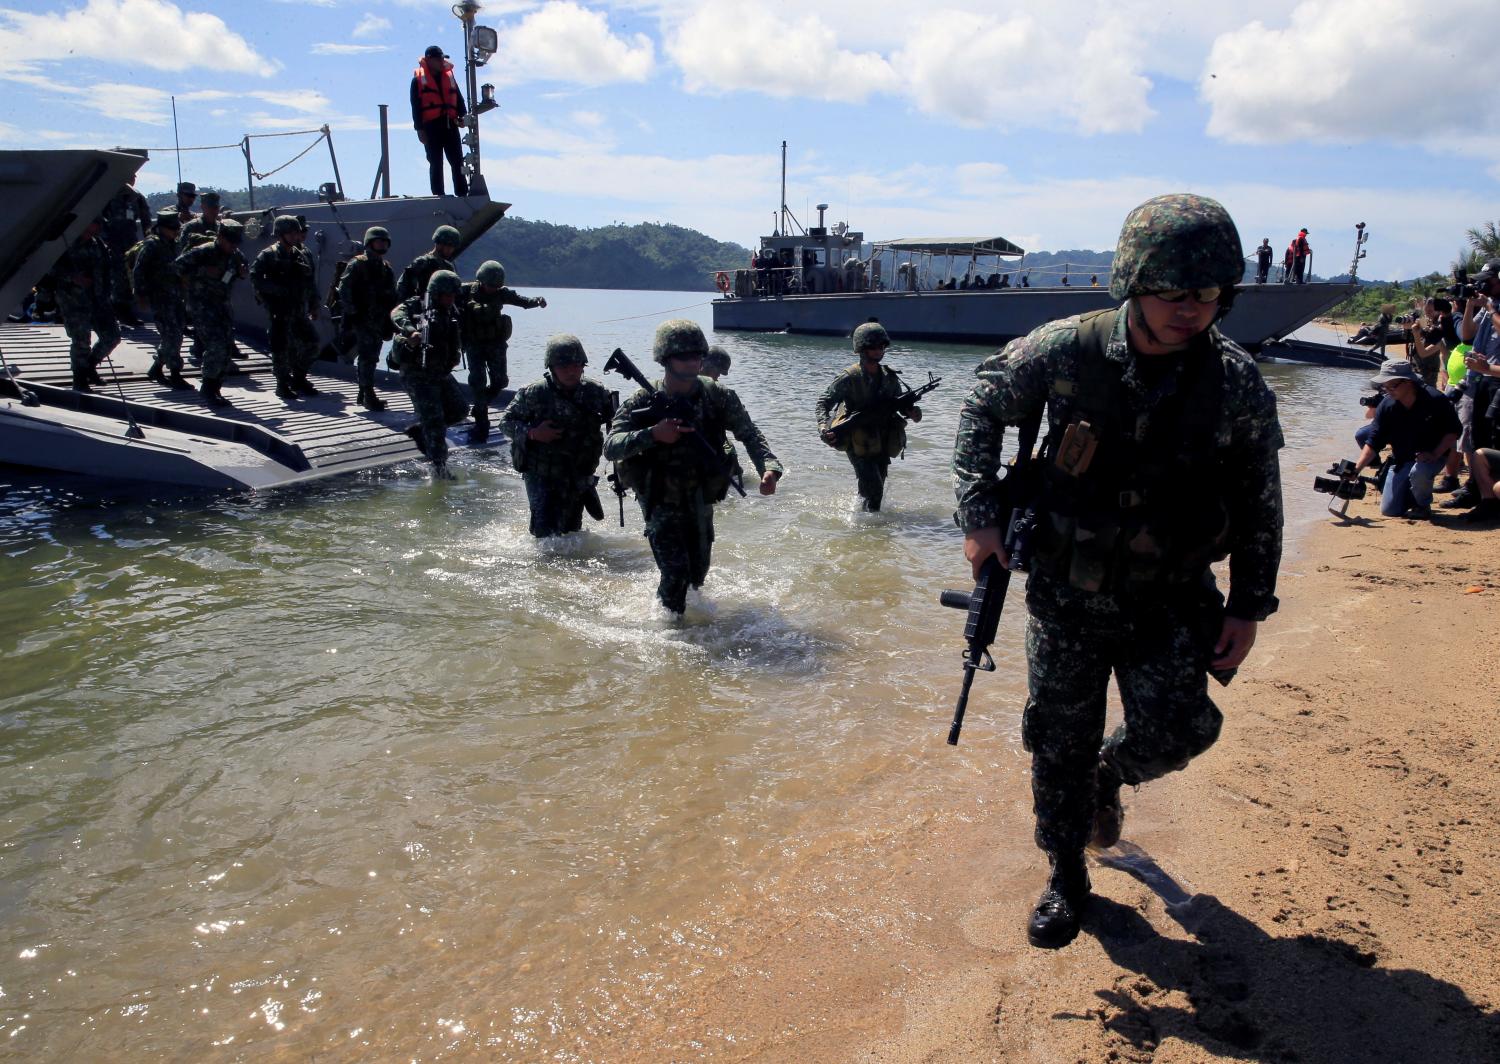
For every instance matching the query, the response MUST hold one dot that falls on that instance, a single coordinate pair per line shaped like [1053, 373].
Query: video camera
[1461, 288]
[1343, 484]
[1370, 401]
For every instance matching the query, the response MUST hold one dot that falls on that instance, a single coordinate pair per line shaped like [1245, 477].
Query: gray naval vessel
[134, 429]
[826, 280]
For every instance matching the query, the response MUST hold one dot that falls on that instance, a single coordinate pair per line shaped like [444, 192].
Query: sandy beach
[1320, 886]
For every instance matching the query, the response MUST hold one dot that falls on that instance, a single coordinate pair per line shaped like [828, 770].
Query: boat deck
[314, 437]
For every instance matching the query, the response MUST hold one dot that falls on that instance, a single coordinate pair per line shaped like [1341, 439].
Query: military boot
[210, 391]
[178, 382]
[303, 385]
[1054, 922]
[284, 389]
[370, 401]
[94, 376]
[156, 373]
[1109, 814]
[480, 432]
[415, 432]
[81, 383]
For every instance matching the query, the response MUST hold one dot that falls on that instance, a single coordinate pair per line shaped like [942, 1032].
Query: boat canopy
[968, 246]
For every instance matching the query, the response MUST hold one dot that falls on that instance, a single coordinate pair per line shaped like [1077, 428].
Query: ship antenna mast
[781, 223]
[480, 43]
[1359, 244]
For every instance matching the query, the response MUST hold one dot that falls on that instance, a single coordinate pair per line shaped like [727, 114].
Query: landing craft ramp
[261, 442]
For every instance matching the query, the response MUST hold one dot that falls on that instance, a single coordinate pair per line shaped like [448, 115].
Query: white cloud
[371, 26]
[519, 132]
[727, 46]
[131, 32]
[325, 48]
[565, 42]
[1352, 70]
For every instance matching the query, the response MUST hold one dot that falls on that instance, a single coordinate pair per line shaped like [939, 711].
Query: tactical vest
[1144, 505]
[680, 474]
[577, 452]
[485, 322]
[875, 439]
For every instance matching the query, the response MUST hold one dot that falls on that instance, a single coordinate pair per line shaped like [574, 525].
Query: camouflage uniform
[559, 476]
[1185, 471]
[367, 295]
[427, 371]
[673, 482]
[415, 277]
[83, 294]
[870, 448]
[157, 281]
[127, 220]
[487, 332]
[284, 279]
[209, 273]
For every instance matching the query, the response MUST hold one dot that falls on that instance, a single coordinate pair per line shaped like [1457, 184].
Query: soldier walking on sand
[209, 272]
[429, 345]
[556, 428]
[867, 388]
[676, 481]
[158, 287]
[367, 295]
[283, 276]
[487, 330]
[1160, 458]
[83, 292]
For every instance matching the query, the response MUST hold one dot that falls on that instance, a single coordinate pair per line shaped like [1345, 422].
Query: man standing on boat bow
[437, 107]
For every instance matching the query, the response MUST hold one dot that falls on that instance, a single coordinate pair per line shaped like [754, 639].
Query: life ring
[722, 280]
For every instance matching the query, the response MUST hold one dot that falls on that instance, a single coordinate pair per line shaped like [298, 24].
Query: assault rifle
[882, 411]
[987, 601]
[663, 406]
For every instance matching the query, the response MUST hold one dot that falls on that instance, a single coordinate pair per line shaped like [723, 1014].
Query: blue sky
[1042, 123]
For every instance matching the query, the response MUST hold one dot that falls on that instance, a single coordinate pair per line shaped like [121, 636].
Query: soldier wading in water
[1160, 459]
[866, 386]
[556, 429]
[676, 481]
[429, 344]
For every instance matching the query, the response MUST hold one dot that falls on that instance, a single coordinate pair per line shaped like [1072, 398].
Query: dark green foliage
[649, 256]
[1364, 305]
[239, 200]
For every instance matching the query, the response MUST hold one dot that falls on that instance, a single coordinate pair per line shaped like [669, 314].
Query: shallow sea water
[361, 769]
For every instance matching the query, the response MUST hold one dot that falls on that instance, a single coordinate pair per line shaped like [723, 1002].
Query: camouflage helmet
[168, 219]
[871, 334]
[443, 283]
[1173, 242]
[446, 234]
[491, 273]
[377, 232]
[565, 349]
[284, 224]
[231, 230]
[210, 199]
[717, 359]
[678, 338]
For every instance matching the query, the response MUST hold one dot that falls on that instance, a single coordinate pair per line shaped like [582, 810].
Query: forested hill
[649, 255]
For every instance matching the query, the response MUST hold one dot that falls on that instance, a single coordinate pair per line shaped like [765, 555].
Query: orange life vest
[438, 97]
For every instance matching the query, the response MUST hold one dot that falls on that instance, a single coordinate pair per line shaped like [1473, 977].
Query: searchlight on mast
[480, 43]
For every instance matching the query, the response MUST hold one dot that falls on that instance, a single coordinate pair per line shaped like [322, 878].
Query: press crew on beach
[158, 288]
[1160, 458]
[436, 109]
[367, 295]
[677, 483]
[867, 388]
[127, 221]
[445, 241]
[429, 346]
[285, 282]
[84, 292]
[1421, 427]
[208, 273]
[487, 330]
[556, 428]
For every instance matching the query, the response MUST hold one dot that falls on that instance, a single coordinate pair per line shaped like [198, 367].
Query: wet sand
[1320, 886]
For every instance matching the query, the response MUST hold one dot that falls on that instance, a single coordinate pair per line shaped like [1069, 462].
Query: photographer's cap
[1395, 369]
[434, 52]
[1488, 272]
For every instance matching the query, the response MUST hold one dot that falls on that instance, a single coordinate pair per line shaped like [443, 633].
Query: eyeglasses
[1200, 295]
[1391, 387]
[688, 358]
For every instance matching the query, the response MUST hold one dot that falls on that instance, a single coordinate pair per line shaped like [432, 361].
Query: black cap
[1489, 271]
[210, 199]
[434, 52]
[187, 188]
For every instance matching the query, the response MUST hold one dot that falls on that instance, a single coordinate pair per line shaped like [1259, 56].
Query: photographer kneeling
[1420, 426]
